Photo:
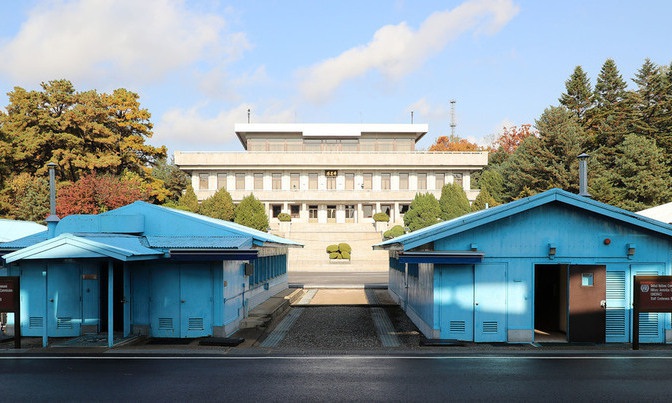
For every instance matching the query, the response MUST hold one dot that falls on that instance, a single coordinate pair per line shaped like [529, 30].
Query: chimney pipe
[583, 175]
[53, 219]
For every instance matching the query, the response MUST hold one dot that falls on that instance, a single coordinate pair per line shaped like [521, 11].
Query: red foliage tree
[513, 137]
[94, 194]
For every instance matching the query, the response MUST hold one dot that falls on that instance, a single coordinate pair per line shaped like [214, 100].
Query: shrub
[381, 217]
[394, 232]
[284, 217]
[339, 251]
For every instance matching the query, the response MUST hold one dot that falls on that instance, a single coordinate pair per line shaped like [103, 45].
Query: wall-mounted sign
[330, 173]
[651, 294]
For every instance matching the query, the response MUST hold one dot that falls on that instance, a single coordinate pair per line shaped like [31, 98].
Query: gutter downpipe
[53, 219]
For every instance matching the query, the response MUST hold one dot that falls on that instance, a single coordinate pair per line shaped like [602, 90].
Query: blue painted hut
[552, 264]
[144, 269]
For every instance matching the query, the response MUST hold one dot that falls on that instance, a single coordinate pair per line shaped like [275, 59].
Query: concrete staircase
[266, 313]
[316, 238]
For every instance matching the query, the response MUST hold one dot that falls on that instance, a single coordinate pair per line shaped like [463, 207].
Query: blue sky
[199, 65]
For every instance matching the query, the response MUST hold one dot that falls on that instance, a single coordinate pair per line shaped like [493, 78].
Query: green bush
[339, 251]
[394, 232]
[284, 217]
[381, 217]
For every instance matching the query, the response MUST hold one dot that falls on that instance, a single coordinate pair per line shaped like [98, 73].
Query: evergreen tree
[483, 200]
[251, 213]
[492, 179]
[579, 96]
[547, 161]
[609, 117]
[219, 205]
[423, 212]
[453, 202]
[174, 180]
[188, 201]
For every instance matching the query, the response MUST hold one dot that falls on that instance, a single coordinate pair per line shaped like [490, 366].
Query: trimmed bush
[339, 251]
[284, 217]
[394, 232]
[381, 217]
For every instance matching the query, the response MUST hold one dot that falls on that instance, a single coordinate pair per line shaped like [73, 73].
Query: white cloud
[397, 50]
[193, 130]
[115, 40]
[425, 111]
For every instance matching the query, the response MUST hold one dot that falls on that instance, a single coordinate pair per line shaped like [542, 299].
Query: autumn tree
[95, 193]
[453, 143]
[512, 137]
[174, 180]
[26, 197]
[251, 213]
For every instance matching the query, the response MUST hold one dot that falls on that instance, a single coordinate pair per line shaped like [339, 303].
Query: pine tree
[609, 117]
[579, 96]
[423, 212]
[251, 213]
[188, 201]
[219, 205]
[453, 202]
[483, 200]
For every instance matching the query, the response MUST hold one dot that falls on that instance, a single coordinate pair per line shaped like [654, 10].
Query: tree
[174, 180]
[94, 194]
[609, 117]
[453, 202]
[641, 178]
[251, 213]
[483, 200]
[512, 137]
[651, 105]
[219, 205]
[453, 143]
[27, 198]
[188, 201]
[492, 179]
[547, 161]
[579, 96]
[423, 212]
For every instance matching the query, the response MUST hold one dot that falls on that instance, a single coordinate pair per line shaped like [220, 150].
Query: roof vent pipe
[53, 219]
[583, 175]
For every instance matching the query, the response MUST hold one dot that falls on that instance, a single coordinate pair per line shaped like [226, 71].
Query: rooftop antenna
[452, 118]
[411, 117]
[248, 115]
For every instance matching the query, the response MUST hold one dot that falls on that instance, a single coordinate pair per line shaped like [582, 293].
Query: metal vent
[615, 285]
[615, 321]
[489, 327]
[648, 324]
[195, 324]
[64, 322]
[165, 323]
[35, 322]
[457, 326]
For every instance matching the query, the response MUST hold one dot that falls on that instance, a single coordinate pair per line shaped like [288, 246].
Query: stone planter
[339, 261]
[285, 226]
[381, 226]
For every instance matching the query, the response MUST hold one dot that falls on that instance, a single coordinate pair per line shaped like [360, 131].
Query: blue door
[181, 301]
[651, 324]
[33, 300]
[454, 295]
[490, 303]
[64, 293]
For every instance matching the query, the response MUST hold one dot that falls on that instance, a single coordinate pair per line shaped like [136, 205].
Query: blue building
[554, 263]
[144, 269]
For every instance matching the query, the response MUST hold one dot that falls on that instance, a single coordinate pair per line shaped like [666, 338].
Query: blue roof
[212, 242]
[15, 229]
[482, 217]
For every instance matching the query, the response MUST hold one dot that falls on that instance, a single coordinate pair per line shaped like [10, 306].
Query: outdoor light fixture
[631, 250]
[552, 250]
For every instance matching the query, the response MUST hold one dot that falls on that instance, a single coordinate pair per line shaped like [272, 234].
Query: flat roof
[329, 129]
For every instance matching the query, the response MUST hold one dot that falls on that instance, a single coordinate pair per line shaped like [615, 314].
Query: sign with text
[9, 294]
[655, 293]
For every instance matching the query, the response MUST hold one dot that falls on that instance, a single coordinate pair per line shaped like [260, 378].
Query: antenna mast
[452, 118]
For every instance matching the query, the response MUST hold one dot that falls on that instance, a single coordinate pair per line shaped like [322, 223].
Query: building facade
[330, 173]
[553, 264]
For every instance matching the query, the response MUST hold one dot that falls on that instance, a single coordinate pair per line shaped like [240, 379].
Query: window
[221, 181]
[295, 210]
[367, 210]
[276, 145]
[312, 181]
[312, 145]
[440, 180]
[312, 212]
[277, 209]
[385, 145]
[331, 212]
[349, 144]
[294, 181]
[403, 208]
[586, 279]
[385, 181]
[258, 181]
[403, 181]
[240, 181]
[331, 182]
[277, 181]
[349, 211]
[367, 181]
[457, 178]
[386, 208]
[349, 181]
[422, 181]
[203, 181]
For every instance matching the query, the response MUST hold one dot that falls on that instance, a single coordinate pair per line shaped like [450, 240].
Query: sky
[199, 65]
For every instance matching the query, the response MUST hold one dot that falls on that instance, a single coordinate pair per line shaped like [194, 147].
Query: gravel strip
[283, 327]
